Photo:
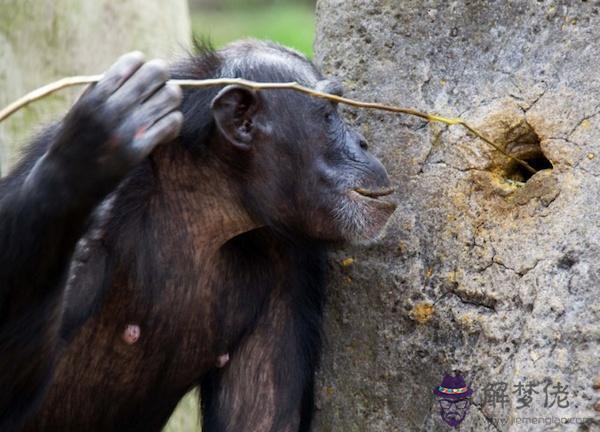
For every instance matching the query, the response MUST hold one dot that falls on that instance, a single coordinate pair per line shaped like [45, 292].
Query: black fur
[63, 365]
[123, 238]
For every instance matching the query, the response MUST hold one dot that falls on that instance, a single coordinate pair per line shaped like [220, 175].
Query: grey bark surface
[45, 40]
[479, 273]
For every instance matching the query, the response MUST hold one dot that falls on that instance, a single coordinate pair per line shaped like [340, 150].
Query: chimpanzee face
[305, 168]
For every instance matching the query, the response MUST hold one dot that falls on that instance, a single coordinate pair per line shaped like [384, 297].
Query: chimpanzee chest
[133, 360]
[157, 334]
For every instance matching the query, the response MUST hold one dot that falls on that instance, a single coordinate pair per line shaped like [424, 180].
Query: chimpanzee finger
[118, 73]
[140, 86]
[162, 102]
[165, 100]
[164, 130]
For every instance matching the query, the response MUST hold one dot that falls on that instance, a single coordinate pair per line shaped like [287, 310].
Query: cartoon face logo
[454, 399]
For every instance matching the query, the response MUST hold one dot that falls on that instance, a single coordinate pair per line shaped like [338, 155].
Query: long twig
[81, 80]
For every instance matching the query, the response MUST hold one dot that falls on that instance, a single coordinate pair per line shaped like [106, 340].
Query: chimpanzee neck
[196, 191]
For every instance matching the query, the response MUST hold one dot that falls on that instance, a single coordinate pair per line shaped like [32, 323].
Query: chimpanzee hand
[117, 123]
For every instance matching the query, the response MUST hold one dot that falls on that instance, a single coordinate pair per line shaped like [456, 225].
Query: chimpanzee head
[303, 168]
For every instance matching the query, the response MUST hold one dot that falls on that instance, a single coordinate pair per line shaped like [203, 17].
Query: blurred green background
[289, 22]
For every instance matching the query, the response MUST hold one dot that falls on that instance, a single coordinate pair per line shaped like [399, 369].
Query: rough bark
[44, 40]
[480, 273]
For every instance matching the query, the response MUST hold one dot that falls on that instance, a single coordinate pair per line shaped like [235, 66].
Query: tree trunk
[485, 272]
[44, 40]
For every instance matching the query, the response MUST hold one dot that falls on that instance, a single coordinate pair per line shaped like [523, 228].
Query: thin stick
[81, 80]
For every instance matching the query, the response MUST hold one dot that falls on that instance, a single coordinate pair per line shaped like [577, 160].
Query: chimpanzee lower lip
[375, 193]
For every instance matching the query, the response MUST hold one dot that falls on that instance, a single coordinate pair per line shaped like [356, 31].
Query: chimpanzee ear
[234, 109]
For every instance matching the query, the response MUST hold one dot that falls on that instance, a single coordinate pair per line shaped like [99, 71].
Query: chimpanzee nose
[377, 177]
[363, 143]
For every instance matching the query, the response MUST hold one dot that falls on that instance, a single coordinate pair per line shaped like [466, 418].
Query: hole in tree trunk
[523, 143]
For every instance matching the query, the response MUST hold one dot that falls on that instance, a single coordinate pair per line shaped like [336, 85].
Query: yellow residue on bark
[422, 312]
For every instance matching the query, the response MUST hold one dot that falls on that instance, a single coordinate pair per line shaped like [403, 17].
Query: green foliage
[186, 417]
[291, 24]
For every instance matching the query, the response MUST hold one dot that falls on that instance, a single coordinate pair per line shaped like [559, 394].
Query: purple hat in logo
[453, 388]
[454, 399]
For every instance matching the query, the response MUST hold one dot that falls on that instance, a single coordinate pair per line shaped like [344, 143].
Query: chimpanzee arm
[267, 385]
[44, 206]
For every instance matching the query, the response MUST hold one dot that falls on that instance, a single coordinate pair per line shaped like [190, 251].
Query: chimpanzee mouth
[376, 198]
[369, 211]
[375, 193]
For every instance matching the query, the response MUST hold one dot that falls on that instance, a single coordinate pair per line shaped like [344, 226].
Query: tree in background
[44, 40]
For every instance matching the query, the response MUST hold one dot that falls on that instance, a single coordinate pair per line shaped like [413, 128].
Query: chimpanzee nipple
[222, 360]
[131, 334]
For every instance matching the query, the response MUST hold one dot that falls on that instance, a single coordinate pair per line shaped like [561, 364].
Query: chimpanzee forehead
[267, 61]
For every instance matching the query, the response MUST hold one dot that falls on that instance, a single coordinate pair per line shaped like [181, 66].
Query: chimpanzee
[131, 273]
